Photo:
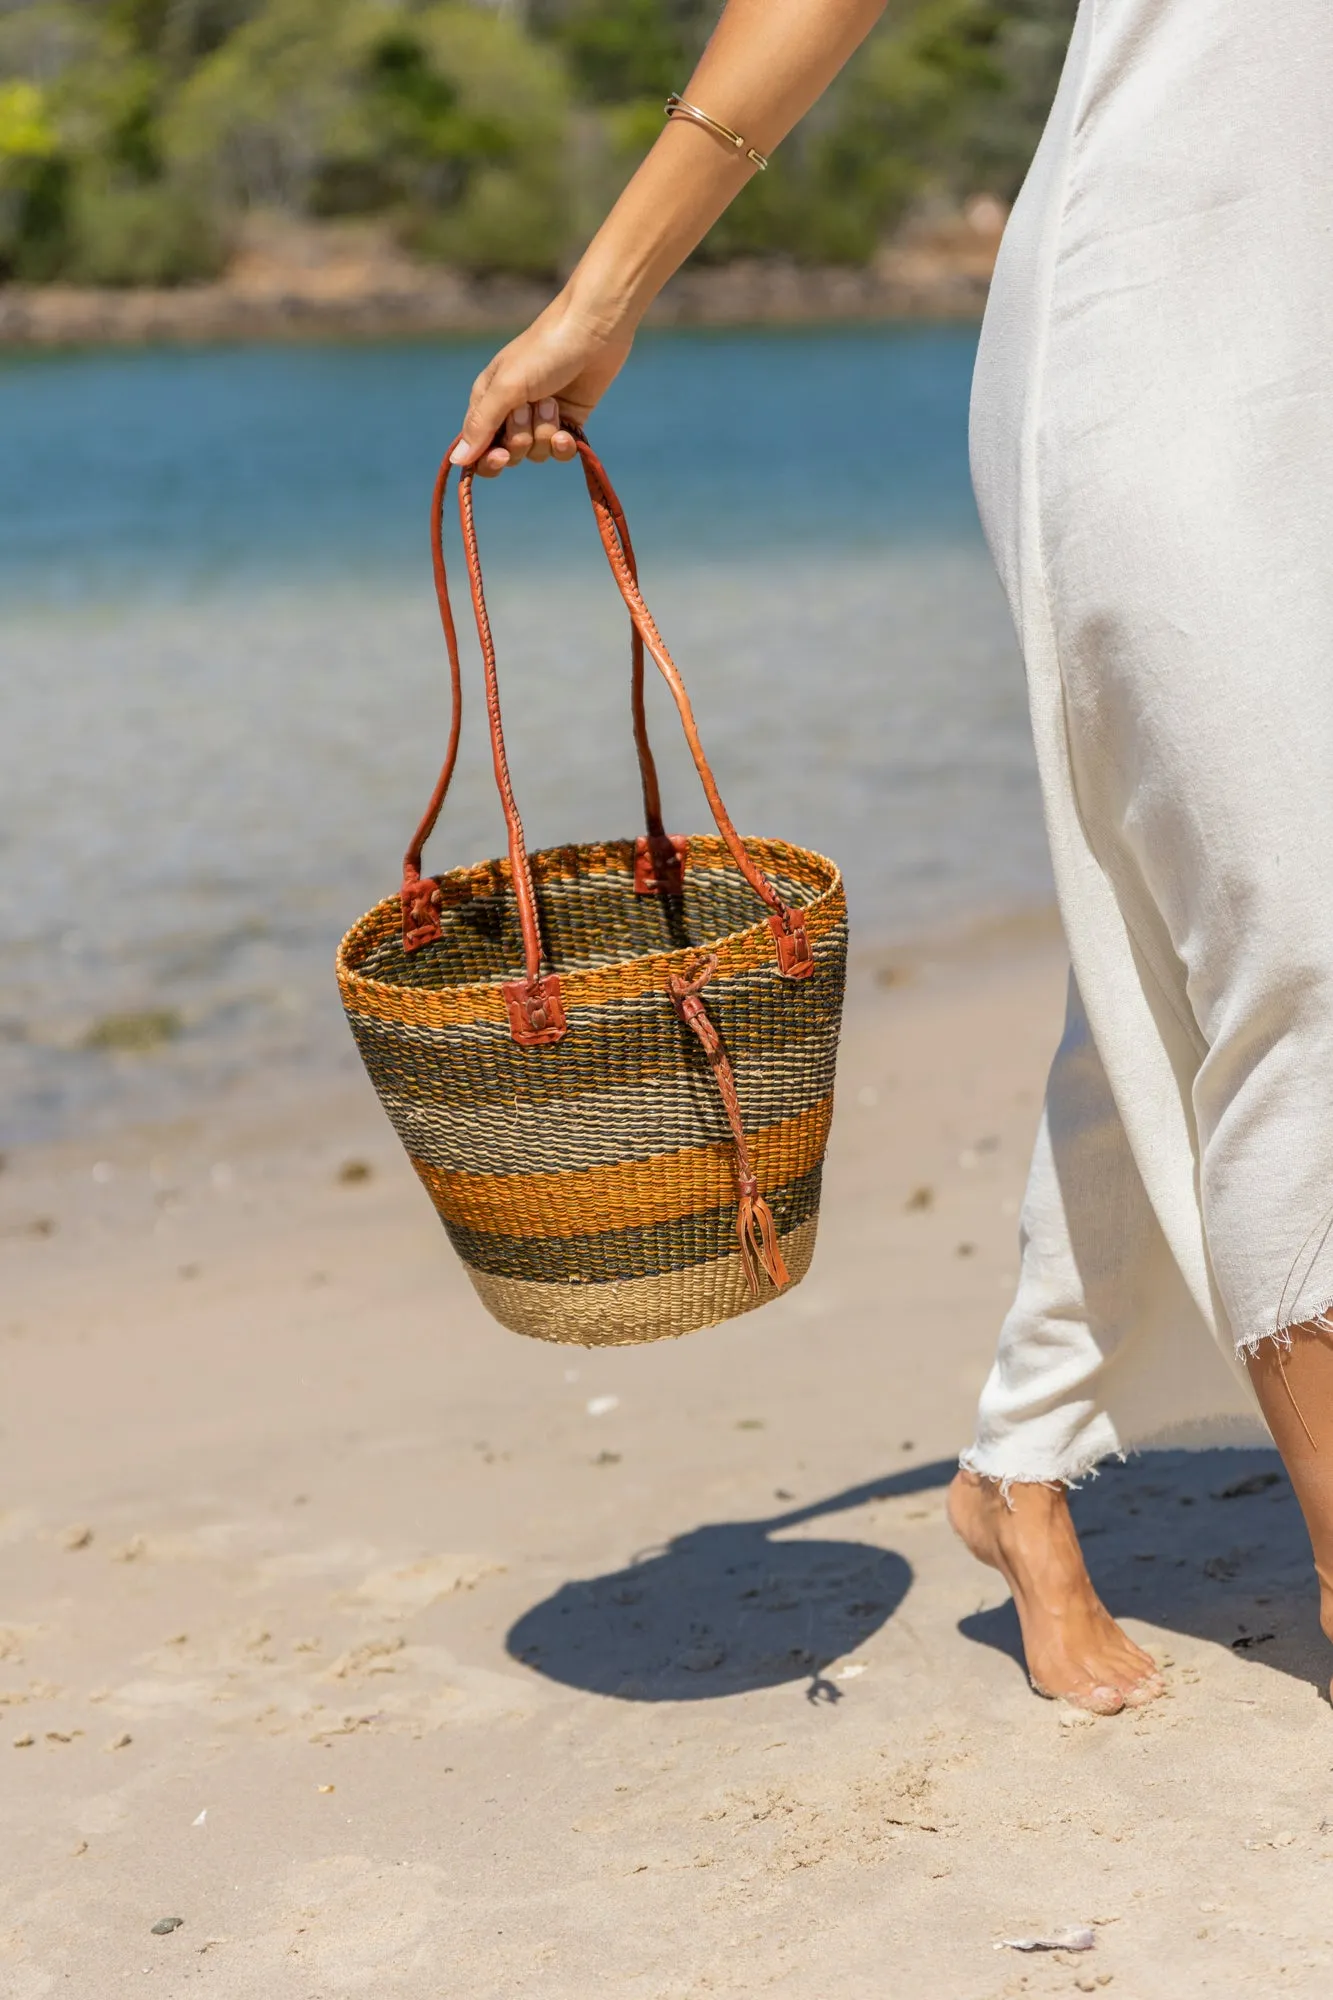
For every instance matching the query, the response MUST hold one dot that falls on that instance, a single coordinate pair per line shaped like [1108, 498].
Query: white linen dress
[1152, 451]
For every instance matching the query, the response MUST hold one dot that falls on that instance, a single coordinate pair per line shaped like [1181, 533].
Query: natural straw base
[616, 1314]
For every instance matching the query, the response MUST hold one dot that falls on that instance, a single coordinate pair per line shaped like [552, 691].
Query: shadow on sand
[725, 1608]
[1209, 1544]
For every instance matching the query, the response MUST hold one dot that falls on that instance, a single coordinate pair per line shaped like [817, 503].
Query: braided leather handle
[788, 924]
[535, 1010]
[421, 900]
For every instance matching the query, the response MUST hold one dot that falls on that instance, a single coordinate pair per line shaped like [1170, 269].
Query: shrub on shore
[135, 134]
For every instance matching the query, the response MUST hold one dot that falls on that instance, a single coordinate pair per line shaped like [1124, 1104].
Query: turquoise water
[170, 471]
[224, 686]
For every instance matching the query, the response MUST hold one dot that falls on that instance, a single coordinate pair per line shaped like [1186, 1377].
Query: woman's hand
[554, 374]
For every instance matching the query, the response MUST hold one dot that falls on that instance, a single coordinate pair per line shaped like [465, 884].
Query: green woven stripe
[629, 1253]
[588, 921]
[478, 1064]
[626, 1121]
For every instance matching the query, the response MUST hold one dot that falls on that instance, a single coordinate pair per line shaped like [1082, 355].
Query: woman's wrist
[678, 192]
[602, 303]
[614, 283]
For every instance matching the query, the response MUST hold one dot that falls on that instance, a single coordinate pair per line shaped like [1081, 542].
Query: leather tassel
[759, 1242]
[754, 1218]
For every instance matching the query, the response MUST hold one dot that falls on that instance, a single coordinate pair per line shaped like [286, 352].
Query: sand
[399, 1656]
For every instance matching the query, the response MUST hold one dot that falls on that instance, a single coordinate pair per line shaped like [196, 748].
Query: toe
[1142, 1692]
[1100, 1700]
[1096, 1698]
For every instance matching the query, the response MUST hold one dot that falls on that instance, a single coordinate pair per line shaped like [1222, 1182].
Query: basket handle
[788, 925]
[536, 1014]
[657, 864]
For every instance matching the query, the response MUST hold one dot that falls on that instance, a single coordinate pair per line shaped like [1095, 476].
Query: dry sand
[399, 1656]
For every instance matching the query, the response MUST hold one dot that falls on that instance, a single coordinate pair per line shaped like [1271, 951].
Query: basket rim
[752, 933]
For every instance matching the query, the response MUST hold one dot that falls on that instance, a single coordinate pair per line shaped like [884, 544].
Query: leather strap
[421, 900]
[652, 802]
[797, 962]
[536, 1014]
[755, 1227]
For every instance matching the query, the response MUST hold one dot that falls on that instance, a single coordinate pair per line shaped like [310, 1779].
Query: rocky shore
[337, 280]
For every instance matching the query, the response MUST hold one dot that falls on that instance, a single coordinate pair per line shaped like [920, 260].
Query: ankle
[1325, 1602]
[1030, 1509]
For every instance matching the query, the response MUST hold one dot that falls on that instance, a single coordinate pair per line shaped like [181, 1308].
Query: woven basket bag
[611, 1065]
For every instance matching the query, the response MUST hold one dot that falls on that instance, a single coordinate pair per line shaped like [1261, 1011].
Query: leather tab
[659, 864]
[420, 899]
[695, 1015]
[795, 958]
[536, 1012]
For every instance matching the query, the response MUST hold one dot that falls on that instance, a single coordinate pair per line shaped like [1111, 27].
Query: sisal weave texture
[590, 1187]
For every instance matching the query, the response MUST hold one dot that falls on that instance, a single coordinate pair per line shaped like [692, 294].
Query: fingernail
[459, 454]
[547, 408]
[522, 417]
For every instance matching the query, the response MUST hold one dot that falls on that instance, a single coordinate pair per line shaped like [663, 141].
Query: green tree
[97, 204]
[622, 50]
[135, 134]
[447, 118]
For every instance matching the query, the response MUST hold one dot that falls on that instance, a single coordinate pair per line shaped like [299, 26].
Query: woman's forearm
[767, 63]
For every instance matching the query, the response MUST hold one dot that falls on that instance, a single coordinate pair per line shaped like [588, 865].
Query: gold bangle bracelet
[676, 107]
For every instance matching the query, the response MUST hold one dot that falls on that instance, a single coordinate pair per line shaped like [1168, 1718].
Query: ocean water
[225, 695]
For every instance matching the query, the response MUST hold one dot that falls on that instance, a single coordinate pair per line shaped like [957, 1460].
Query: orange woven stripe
[633, 1193]
[457, 1006]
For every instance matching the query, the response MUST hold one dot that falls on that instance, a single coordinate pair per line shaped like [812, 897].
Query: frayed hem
[1068, 1480]
[1280, 1336]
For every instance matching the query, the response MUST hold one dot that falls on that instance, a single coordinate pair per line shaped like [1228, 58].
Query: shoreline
[338, 281]
[282, 1094]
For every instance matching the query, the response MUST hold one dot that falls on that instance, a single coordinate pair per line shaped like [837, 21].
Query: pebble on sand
[352, 1171]
[76, 1537]
[165, 1925]
[24, 1742]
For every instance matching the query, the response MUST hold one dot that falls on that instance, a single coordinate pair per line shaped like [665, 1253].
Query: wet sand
[399, 1656]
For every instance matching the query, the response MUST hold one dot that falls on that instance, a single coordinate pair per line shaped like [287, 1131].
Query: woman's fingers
[533, 432]
[518, 433]
[544, 429]
[511, 447]
[492, 403]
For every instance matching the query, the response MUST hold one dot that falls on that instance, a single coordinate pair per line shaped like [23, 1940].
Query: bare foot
[1075, 1650]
